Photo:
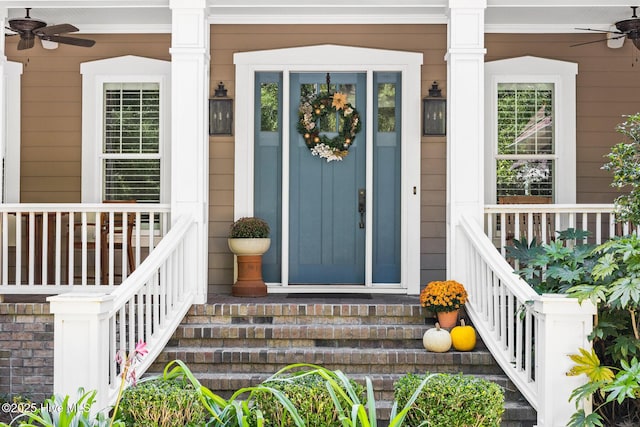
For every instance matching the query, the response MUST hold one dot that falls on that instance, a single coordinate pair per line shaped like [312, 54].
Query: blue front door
[326, 229]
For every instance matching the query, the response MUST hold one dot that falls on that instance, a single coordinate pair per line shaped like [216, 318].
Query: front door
[326, 199]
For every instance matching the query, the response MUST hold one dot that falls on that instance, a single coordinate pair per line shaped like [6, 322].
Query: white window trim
[529, 69]
[124, 69]
[336, 58]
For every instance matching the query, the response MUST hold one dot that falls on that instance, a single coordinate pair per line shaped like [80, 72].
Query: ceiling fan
[29, 28]
[629, 28]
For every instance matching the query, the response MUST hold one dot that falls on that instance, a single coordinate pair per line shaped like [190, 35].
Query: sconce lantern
[434, 112]
[220, 112]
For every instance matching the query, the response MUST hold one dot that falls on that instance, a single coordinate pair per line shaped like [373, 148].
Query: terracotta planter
[448, 319]
[249, 257]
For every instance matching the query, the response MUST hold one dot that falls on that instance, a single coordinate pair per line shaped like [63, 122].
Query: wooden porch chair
[119, 239]
[510, 227]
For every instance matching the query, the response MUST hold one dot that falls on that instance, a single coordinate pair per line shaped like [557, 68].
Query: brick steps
[237, 343]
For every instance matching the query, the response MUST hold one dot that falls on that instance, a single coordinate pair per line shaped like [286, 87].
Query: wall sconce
[434, 112]
[220, 112]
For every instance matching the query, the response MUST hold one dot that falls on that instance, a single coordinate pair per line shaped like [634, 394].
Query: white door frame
[348, 59]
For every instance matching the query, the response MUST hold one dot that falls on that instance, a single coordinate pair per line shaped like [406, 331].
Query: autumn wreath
[313, 110]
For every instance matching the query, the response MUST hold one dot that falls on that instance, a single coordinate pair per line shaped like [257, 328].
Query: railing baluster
[57, 249]
[5, 249]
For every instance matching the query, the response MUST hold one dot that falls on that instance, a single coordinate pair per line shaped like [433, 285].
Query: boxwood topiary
[162, 403]
[451, 401]
[310, 396]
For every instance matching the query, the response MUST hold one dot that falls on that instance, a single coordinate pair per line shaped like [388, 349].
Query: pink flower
[141, 348]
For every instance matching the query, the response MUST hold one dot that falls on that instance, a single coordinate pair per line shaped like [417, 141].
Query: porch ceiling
[151, 16]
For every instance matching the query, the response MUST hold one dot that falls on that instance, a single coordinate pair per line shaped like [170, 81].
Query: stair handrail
[529, 335]
[148, 306]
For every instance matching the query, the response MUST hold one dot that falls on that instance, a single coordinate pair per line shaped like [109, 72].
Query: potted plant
[445, 298]
[249, 240]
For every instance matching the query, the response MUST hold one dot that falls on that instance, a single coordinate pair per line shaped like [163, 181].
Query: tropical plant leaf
[580, 419]
[594, 293]
[624, 290]
[585, 391]
[588, 363]
[565, 274]
[605, 267]
[626, 384]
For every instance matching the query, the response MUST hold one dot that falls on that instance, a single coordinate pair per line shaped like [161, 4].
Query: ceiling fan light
[614, 42]
[48, 44]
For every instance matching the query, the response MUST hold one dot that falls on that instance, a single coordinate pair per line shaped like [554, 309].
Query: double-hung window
[125, 130]
[530, 129]
[130, 157]
[525, 154]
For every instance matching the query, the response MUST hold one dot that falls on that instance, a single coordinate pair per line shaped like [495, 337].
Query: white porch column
[465, 115]
[189, 128]
[564, 327]
[81, 344]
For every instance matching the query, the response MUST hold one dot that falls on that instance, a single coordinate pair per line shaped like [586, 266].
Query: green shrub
[308, 393]
[160, 402]
[451, 401]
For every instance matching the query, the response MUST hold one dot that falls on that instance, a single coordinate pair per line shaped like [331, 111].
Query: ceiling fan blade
[598, 41]
[26, 43]
[55, 29]
[600, 31]
[70, 40]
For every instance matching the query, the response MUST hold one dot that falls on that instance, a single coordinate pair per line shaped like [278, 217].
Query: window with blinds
[131, 157]
[526, 146]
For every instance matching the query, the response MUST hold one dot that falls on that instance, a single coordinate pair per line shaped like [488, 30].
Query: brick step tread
[344, 309]
[348, 355]
[363, 361]
[295, 343]
[309, 331]
[305, 320]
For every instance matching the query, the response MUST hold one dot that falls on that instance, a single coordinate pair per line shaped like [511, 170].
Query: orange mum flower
[445, 295]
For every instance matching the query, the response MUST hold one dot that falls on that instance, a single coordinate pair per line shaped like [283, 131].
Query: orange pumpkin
[463, 337]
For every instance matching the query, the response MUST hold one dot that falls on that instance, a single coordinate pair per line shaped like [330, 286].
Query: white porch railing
[90, 329]
[529, 335]
[54, 248]
[505, 222]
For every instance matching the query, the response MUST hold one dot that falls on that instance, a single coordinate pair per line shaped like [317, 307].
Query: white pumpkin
[437, 339]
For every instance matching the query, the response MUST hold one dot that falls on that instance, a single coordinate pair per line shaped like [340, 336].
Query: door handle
[362, 205]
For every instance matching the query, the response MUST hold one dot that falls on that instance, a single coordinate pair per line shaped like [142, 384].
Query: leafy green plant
[298, 386]
[249, 227]
[162, 403]
[616, 340]
[232, 412]
[352, 408]
[59, 411]
[621, 387]
[451, 400]
[624, 162]
[557, 266]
